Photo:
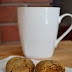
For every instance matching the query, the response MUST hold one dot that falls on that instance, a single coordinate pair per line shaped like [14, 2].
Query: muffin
[18, 64]
[49, 66]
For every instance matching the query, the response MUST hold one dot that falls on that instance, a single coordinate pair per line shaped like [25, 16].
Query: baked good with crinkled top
[49, 66]
[18, 64]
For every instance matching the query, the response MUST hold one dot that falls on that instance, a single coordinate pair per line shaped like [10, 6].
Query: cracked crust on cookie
[18, 64]
[49, 66]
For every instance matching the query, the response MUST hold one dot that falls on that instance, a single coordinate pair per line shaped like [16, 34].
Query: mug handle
[67, 31]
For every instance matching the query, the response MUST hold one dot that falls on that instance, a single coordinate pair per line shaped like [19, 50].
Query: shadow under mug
[38, 28]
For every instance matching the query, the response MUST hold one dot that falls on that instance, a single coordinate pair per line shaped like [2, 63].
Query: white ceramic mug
[38, 28]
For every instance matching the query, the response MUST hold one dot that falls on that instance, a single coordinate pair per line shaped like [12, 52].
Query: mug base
[38, 57]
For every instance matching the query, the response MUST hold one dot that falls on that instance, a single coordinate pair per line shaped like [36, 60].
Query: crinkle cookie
[18, 64]
[49, 66]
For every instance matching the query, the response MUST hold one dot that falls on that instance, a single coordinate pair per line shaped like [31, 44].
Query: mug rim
[39, 7]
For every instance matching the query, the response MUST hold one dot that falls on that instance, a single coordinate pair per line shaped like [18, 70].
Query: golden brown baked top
[49, 66]
[18, 64]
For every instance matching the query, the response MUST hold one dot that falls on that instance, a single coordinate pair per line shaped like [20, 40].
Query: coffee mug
[38, 28]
